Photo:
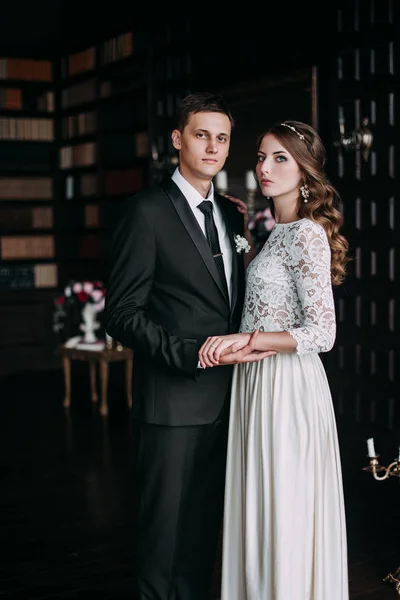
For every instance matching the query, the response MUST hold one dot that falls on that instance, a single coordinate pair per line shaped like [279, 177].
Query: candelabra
[251, 188]
[221, 183]
[394, 470]
[360, 139]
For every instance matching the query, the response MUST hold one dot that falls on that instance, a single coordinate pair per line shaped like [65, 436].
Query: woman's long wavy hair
[324, 200]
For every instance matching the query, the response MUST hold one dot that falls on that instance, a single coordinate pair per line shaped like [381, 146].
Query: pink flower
[97, 295]
[99, 306]
[77, 287]
[88, 286]
[269, 224]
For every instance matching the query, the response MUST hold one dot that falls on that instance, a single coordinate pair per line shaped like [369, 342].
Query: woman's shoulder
[306, 234]
[307, 228]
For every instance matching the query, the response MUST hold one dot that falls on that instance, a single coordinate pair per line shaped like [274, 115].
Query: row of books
[125, 148]
[84, 247]
[26, 99]
[85, 92]
[11, 98]
[26, 129]
[80, 216]
[123, 85]
[79, 62]
[14, 247]
[116, 48]
[26, 69]
[83, 123]
[112, 50]
[79, 93]
[123, 181]
[26, 188]
[42, 217]
[14, 277]
[116, 182]
[24, 218]
[79, 185]
[82, 155]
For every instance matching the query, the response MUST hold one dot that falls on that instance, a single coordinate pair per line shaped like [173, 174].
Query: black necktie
[206, 208]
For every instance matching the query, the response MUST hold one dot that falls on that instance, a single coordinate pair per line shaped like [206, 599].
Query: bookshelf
[77, 137]
[172, 66]
[28, 265]
[103, 147]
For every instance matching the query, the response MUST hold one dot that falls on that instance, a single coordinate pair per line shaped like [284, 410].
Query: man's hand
[211, 350]
[231, 349]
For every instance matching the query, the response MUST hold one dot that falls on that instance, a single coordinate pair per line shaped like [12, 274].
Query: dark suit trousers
[180, 482]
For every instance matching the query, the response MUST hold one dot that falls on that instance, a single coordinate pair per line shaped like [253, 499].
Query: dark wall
[252, 40]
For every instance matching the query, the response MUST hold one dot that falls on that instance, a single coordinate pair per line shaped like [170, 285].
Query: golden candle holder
[391, 470]
[374, 467]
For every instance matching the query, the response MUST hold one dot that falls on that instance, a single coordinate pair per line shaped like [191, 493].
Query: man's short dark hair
[202, 102]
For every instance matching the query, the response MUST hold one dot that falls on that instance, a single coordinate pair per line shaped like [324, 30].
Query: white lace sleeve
[309, 264]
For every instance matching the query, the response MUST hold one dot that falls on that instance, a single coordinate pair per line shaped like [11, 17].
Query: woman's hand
[242, 208]
[210, 352]
[246, 354]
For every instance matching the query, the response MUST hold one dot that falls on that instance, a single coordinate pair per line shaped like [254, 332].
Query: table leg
[104, 387]
[67, 379]
[128, 373]
[93, 390]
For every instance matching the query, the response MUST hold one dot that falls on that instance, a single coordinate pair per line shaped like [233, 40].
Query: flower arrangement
[260, 226]
[72, 304]
[81, 293]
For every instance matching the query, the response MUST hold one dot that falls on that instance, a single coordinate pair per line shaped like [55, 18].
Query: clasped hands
[231, 349]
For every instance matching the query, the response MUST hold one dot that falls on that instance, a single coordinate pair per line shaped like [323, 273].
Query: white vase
[90, 324]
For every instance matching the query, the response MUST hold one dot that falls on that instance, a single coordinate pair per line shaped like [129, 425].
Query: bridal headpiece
[301, 136]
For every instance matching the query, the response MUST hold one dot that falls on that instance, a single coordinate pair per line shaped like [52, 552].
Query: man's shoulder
[145, 200]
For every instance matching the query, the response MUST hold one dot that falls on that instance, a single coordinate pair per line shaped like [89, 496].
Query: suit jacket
[164, 298]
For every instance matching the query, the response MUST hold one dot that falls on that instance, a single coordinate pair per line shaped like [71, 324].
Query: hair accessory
[301, 136]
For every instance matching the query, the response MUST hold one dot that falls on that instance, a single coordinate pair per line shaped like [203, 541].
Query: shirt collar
[192, 196]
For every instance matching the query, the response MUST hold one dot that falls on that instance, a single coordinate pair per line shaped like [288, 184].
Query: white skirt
[284, 522]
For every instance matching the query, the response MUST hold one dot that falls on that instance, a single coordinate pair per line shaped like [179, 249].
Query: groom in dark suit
[176, 279]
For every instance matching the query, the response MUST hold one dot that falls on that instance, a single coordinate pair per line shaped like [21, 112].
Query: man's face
[203, 145]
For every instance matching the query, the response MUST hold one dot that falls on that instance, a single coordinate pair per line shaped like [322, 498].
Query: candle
[221, 180]
[371, 448]
[251, 182]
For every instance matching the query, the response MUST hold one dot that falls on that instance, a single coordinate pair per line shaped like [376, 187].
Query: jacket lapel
[188, 219]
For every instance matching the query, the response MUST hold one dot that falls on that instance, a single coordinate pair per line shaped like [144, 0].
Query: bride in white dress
[284, 532]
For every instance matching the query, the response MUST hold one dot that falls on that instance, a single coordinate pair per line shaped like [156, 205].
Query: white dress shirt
[194, 198]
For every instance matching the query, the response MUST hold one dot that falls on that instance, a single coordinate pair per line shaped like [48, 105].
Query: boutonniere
[241, 244]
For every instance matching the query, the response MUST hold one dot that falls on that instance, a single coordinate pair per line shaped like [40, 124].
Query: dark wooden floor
[66, 496]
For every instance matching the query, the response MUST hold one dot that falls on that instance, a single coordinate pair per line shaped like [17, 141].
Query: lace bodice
[288, 287]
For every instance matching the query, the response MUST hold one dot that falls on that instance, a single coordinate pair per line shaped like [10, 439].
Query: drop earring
[305, 192]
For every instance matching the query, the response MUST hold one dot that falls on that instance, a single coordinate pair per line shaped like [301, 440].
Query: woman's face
[277, 171]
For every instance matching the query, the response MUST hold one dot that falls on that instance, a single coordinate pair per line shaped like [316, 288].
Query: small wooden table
[103, 357]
